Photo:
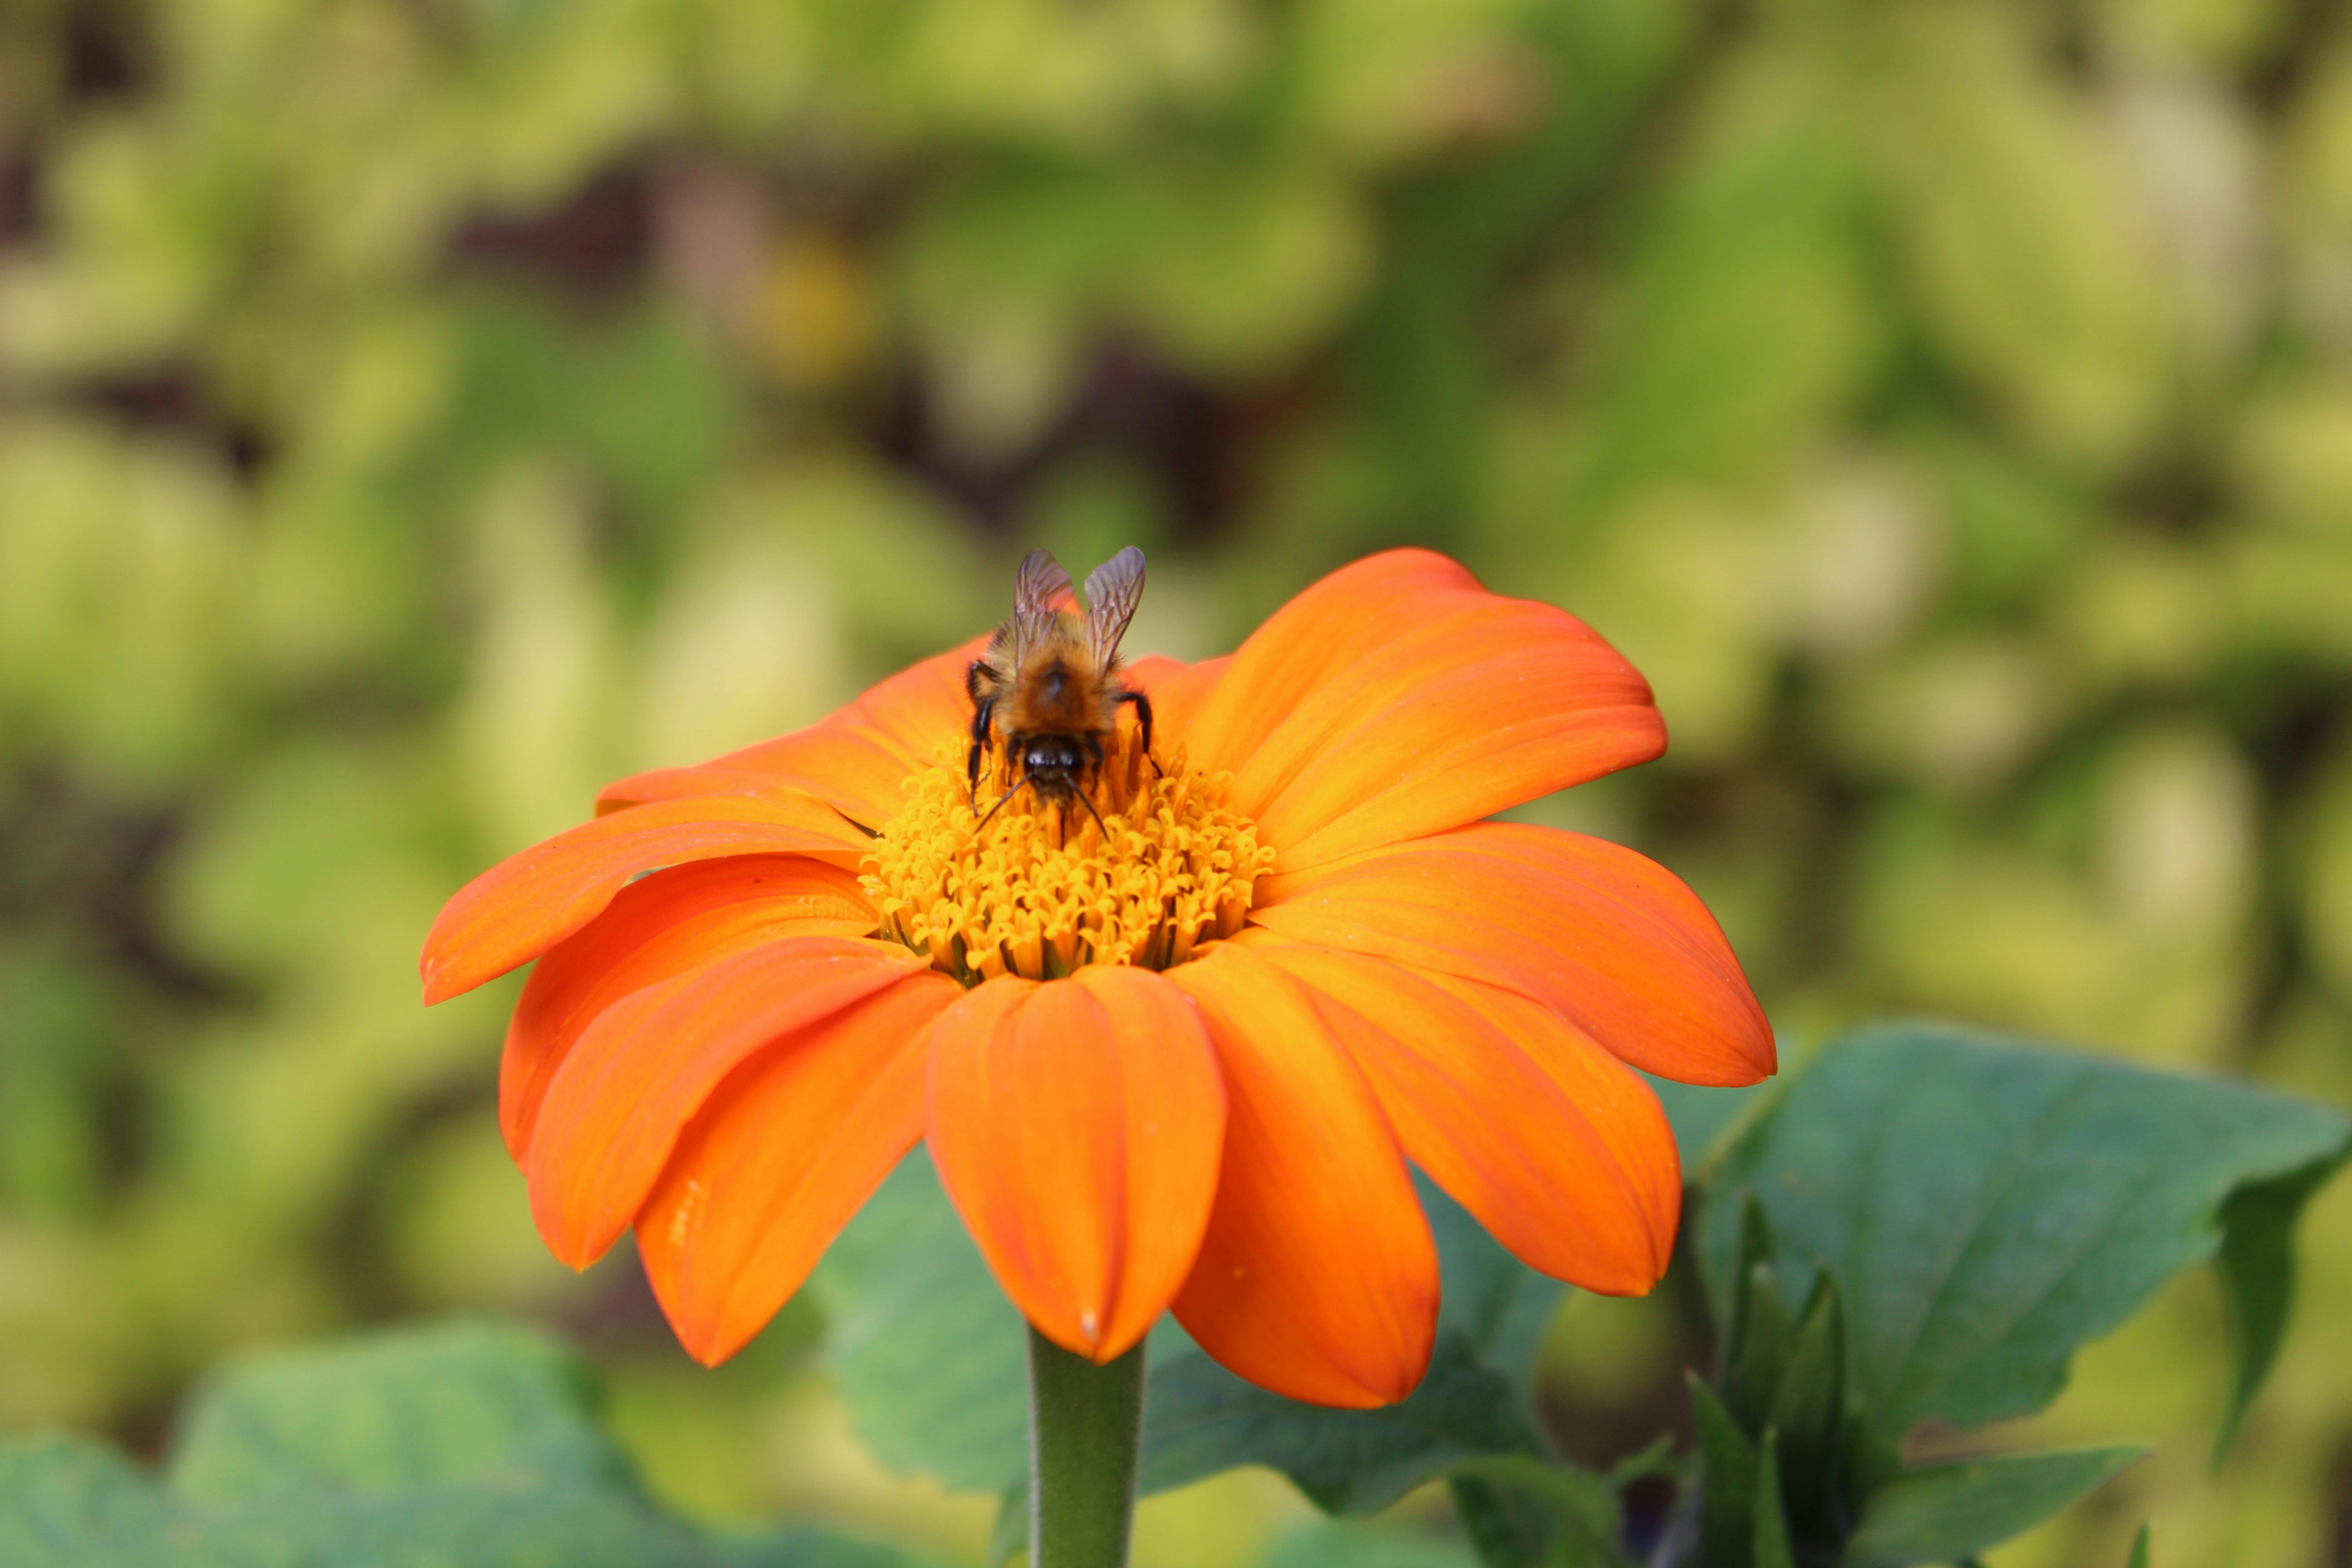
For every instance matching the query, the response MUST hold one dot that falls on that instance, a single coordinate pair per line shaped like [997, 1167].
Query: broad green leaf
[1985, 1208]
[930, 1356]
[1346, 1544]
[1702, 1116]
[461, 1447]
[473, 1403]
[69, 1501]
[1008, 1537]
[1945, 1512]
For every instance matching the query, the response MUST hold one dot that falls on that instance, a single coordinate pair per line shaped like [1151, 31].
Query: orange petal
[779, 1158]
[1431, 703]
[1316, 1277]
[849, 770]
[1559, 1149]
[1078, 1126]
[1606, 937]
[528, 903]
[655, 929]
[856, 757]
[638, 1073]
[1309, 640]
[1177, 690]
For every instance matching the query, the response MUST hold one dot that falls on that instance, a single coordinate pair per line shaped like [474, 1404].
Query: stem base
[1086, 1427]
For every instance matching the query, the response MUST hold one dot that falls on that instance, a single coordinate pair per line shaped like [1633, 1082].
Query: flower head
[1172, 1045]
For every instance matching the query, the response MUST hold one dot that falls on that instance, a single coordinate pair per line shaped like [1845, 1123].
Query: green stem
[1086, 1424]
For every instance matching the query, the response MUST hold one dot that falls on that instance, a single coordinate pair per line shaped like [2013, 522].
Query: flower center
[1041, 887]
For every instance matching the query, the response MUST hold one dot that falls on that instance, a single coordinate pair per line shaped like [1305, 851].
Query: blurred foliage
[414, 413]
[460, 1446]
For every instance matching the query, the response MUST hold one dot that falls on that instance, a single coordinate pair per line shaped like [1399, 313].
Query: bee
[1049, 682]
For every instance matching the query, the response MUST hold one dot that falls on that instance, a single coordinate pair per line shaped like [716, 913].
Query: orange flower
[1182, 1065]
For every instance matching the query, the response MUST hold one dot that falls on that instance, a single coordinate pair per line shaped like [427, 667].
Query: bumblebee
[1048, 688]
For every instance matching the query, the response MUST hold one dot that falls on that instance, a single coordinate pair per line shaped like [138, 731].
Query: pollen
[1042, 888]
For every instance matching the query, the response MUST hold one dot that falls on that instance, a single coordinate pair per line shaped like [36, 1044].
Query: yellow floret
[1042, 889]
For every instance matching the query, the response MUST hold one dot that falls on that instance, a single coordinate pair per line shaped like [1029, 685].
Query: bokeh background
[414, 413]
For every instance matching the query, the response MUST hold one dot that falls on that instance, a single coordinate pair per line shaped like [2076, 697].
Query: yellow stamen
[1042, 889]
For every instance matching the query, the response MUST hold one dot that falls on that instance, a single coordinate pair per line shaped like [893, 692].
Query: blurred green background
[414, 413]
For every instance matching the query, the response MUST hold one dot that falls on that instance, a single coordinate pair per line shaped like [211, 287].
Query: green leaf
[1770, 1522]
[459, 1448]
[2139, 1558]
[1505, 1527]
[1560, 1515]
[1702, 1117]
[1945, 1512]
[1727, 1481]
[929, 1355]
[1008, 1537]
[1758, 1331]
[473, 1403]
[69, 1501]
[1346, 1544]
[1808, 1416]
[2257, 1264]
[1985, 1208]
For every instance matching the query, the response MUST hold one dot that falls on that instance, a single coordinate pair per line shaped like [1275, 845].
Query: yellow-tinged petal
[1316, 1277]
[1608, 938]
[1397, 698]
[1077, 1125]
[1558, 1149]
[657, 928]
[779, 1158]
[1177, 690]
[1309, 640]
[641, 1072]
[528, 903]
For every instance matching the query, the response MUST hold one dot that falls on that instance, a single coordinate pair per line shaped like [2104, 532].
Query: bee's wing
[1040, 589]
[1113, 589]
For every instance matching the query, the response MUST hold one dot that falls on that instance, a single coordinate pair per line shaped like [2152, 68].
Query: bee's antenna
[992, 810]
[1079, 795]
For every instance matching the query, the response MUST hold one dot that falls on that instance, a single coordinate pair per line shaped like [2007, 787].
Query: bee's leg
[1142, 720]
[992, 810]
[983, 711]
